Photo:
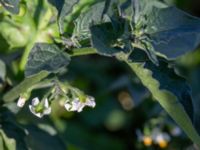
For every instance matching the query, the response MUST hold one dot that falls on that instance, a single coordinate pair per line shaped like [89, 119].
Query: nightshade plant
[147, 35]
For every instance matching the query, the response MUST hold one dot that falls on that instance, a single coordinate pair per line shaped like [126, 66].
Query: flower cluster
[161, 138]
[156, 137]
[78, 105]
[41, 108]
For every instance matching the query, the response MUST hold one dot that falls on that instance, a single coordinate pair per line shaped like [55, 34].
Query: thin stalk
[43, 23]
[83, 51]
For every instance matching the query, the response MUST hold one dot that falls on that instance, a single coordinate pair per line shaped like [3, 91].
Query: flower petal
[80, 107]
[77, 105]
[35, 101]
[21, 101]
[39, 115]
[47, 111]
[90, 101]
[46, 103]
[67, 106]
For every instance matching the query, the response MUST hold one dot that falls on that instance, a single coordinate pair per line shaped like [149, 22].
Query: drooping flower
[40, 109]
[23, 98]
[21, 101]
[78, 105]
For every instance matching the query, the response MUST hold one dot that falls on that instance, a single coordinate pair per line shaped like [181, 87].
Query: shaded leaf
[173, 83]
[85, 20]
[104, 39]
[138, 55]
[195, 82]
[58, 4]
[11, 5]
[13, 135]
[172, 31]
[40, 140]
[69, 11]
[46, 57]
[65, 11]
[162, 30]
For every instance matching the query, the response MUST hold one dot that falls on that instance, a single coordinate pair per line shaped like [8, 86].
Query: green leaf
[24, 86]
[69, 11]
[12, 134]
[104, 38]
[46, 57]
[161, 30]
[172, 32]
[38, 139]
[138, 55]
[195, 80]
[85, 20]
[67, 8]
[9, 143]
[11, 5]
[174, 101]
[112, 9]
[1, 143]
[173, 83]
[57, 3]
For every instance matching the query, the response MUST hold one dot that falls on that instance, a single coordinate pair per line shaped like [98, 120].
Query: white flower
[90, 101]
[158, 135]
[77, 105]
[21, 101]
[162, 137]
[44, 110]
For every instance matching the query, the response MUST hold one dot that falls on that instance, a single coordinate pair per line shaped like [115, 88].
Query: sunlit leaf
[9, 143]
[170, 81]
[11, 5]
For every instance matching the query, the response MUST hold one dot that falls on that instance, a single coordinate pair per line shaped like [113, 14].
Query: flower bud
[21, 101]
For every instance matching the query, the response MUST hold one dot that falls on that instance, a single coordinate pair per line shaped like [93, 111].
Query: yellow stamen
[147, 140]
[163, 143]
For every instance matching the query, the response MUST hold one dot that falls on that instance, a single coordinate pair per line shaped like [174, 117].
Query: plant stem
[43, 23]
[24, 86]
[25, 55]
[45, 19]
[83, 51]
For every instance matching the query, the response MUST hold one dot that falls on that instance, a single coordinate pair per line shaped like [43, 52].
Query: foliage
[41, 38]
